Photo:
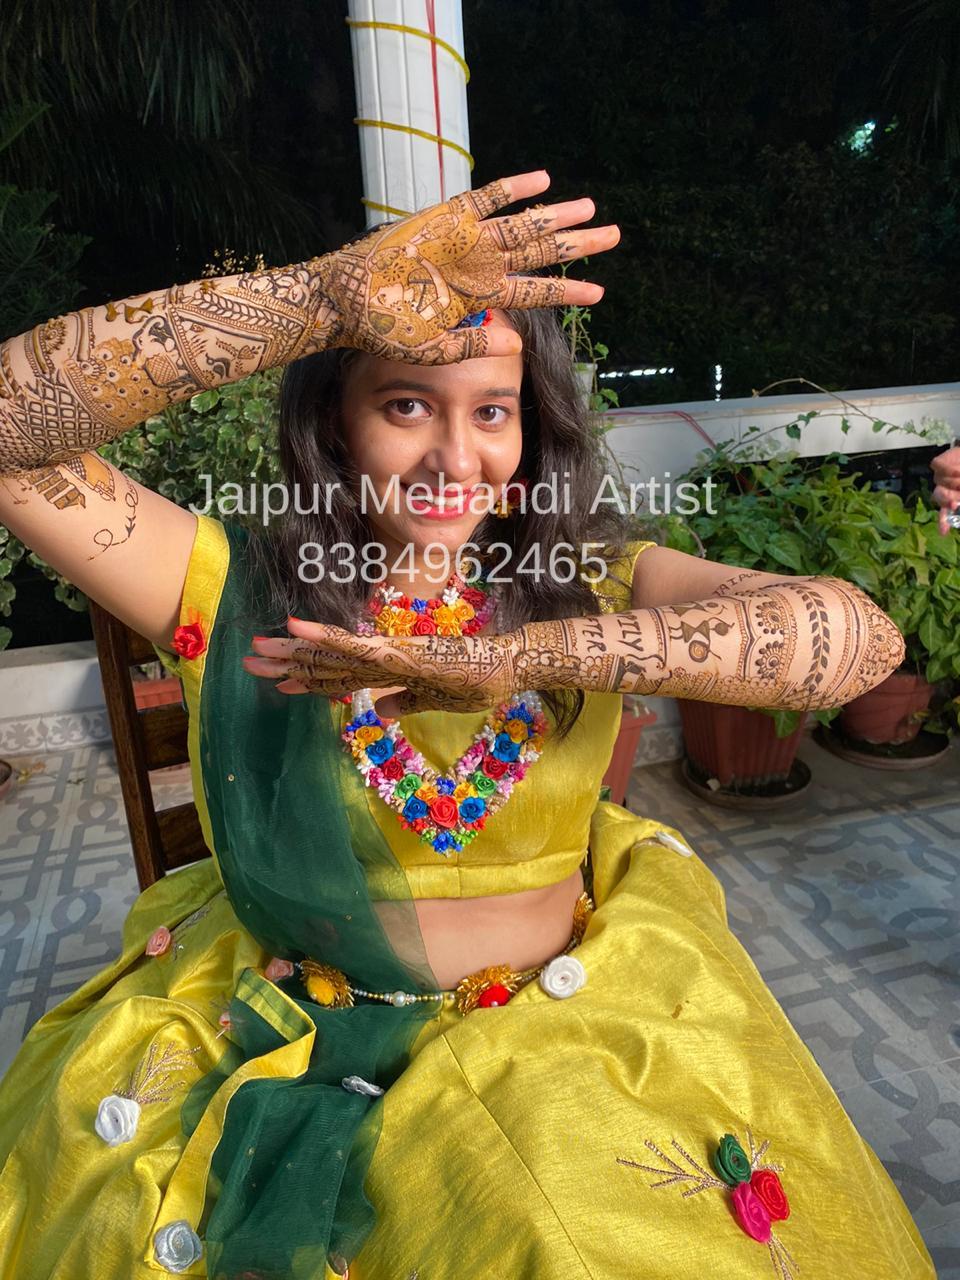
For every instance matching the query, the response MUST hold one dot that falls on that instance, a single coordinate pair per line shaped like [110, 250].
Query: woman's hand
[446, 673]
[400, 291]
[946, 475]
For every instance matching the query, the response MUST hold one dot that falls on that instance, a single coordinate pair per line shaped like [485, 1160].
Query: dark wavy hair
[556, 438]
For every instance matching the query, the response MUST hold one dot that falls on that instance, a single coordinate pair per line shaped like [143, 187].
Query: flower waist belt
[486, 988]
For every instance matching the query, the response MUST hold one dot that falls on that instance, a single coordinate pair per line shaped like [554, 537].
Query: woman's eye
[406, 408]
[488, 414]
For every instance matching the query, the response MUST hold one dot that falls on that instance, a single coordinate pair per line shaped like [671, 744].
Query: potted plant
[738, 754]
[154, 687]
[897, 555]
[587, 355]
[636, 716]
[783, 513]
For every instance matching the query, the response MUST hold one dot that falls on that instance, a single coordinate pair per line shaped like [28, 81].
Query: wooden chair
[145, 739]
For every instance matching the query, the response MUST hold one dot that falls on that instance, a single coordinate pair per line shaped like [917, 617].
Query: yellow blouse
[540, 834]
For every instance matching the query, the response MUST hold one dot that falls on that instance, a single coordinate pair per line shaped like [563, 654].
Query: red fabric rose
[444, 811]
[473, 597]
[470, 628]
[434, 604]
[189, 641]
[392, 769]
[424, 626]
[769, 1190]
[493, 767]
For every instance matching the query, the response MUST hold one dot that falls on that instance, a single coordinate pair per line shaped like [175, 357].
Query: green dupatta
[294, 839]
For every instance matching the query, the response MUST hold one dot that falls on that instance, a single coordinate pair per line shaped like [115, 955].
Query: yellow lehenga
[545, 1138]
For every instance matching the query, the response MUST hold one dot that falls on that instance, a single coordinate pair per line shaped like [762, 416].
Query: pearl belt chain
[484, 989]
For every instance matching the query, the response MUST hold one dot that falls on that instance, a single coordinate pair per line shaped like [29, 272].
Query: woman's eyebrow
[405, 384]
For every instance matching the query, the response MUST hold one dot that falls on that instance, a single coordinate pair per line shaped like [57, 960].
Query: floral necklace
[446, 810]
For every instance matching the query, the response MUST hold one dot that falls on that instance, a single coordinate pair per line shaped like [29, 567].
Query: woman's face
[445, 430]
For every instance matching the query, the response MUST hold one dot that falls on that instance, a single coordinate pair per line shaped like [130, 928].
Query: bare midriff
[462, 935]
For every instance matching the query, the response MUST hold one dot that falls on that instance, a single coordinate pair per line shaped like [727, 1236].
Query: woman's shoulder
[609, 573]
[217, 548]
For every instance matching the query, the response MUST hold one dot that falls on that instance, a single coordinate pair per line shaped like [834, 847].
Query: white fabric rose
[357, 1084]
[117, 1119]
[563, 977]
[177, 1246]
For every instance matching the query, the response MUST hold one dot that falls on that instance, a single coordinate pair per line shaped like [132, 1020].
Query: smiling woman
[432, 1008]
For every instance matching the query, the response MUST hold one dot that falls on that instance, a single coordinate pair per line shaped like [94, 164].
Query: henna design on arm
[77, 381]
[797, 645]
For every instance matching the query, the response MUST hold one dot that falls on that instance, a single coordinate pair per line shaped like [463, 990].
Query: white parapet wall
[51, 697]
[662, 441]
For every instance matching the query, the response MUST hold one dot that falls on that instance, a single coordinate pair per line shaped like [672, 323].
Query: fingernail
[259, 637]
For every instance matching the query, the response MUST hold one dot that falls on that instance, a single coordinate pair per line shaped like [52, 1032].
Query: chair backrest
[145, 739]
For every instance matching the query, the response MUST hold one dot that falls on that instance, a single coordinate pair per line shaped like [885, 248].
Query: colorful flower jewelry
[446, 810]
[460, 610]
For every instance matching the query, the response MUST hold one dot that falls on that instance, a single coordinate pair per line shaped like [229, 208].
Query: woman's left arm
[698, 630]
[715, 633]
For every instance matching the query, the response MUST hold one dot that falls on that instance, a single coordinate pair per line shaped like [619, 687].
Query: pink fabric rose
[159, 941]
[751, 1212]
[278, 969]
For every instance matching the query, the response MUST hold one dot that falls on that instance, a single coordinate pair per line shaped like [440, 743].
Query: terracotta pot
[617, 777]
[6, 778]
[885, 714]
[157, 693]
[739, 748]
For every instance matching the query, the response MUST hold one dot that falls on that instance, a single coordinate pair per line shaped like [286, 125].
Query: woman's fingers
[465, 344]
[563, 246]
[520, 228]
[498, 194]
[548, 291]
[468, 344]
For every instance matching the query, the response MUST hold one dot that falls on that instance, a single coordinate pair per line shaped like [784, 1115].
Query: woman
[946, 474]
[387, 1027]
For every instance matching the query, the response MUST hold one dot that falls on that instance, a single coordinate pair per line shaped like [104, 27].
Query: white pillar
[411, 83]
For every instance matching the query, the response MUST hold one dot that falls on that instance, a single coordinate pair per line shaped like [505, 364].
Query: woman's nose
[453, 452]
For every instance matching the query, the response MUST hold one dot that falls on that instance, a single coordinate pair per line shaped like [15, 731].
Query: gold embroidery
[785, 1266]
[151, 1078]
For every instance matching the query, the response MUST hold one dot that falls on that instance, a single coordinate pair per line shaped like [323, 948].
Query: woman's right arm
[78, 381]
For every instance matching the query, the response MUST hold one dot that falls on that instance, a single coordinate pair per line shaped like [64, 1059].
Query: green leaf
[787, 548]
[205, 400]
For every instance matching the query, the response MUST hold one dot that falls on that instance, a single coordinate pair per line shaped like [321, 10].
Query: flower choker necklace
[446, 810]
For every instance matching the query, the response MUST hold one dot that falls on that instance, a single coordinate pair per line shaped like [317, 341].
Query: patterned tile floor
[848, 901]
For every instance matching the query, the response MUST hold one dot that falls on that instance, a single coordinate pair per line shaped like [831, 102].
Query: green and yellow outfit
[545, 1138]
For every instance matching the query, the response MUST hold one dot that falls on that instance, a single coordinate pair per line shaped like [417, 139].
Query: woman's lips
[449, 507]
